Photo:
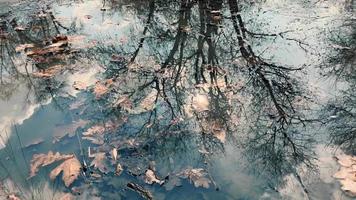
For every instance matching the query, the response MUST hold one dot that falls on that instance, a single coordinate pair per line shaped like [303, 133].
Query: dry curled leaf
[41, 160]
[150, 178]
[71, 170]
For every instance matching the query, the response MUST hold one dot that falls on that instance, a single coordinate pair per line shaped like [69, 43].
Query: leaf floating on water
[71, 170]
[151, 178]
[119, 169]
[114, 153]
[347, 174]
[41, 160]
[197, 176]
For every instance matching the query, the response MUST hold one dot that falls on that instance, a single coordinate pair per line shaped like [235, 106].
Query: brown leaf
[347, 174]
[41, 160]
[71, 170]
[349, 187]
[79, 85]
[102, 88]
[94, 130]
[60, 131]
[24, 47]
[48, 73]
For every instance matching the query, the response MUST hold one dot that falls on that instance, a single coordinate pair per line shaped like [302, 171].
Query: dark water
[219, 99]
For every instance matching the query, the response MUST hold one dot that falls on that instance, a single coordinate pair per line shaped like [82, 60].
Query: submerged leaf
[41, 160]
[71, 170]
[99, 162]
[197, 176]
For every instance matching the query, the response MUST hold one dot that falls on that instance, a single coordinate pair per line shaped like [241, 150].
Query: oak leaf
[71, 170]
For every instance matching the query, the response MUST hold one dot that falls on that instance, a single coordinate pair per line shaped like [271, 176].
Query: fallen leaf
[150, 178]
[94, 130]
[48, 73]
[172, 182]
[114, 153]
[119, 169]
[148, 103]
[13, 197]
[349, 187]
[67, 196]
[197, 177]
[100, 89]
[99, 162]
[79, 85]
[41, 160]
[61, 131]
[345, 160]
[200, 103]
[347, 174]
[71, 170]
[99, 140]
[24, 47]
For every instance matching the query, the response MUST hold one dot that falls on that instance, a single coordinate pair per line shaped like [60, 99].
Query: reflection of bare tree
[340, 113]
[200, 52]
